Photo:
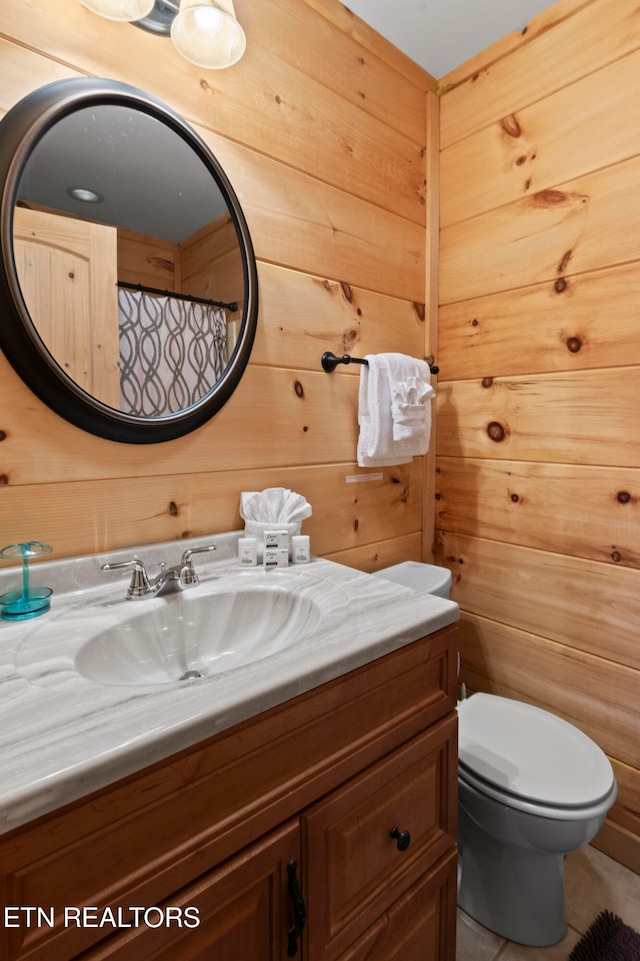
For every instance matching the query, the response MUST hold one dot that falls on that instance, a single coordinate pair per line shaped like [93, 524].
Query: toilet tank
[419, 577]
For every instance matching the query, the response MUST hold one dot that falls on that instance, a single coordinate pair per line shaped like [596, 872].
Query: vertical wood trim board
[431, 312]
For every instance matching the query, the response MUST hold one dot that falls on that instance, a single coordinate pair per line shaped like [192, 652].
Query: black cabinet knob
[403, 838]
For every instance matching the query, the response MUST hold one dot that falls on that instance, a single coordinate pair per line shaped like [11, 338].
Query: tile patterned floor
[593, 882]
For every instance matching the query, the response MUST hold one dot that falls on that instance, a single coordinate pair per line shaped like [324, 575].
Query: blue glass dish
[29, 602]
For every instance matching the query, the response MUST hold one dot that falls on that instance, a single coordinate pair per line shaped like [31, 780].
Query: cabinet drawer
[354, 868]
[420, 926]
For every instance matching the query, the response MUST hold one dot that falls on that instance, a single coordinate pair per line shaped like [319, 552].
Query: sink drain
[190, 675]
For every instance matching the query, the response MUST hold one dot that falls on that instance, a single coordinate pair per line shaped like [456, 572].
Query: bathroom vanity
[321, 826]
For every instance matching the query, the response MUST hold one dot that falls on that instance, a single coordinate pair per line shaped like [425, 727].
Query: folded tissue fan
[275, 507]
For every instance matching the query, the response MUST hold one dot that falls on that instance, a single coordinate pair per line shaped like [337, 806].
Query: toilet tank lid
[417, 576]
[531, 753]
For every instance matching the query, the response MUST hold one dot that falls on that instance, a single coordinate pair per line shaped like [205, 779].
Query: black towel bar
[330, 362]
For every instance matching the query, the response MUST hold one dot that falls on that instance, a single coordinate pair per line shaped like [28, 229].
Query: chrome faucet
[168, 579]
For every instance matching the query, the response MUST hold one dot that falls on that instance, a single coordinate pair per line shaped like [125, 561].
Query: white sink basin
[190, 636]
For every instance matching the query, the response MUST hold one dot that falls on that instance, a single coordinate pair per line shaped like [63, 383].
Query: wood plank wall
[321, 129]
[538, 455]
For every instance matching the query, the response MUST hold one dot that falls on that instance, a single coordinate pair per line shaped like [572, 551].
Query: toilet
[531, 788]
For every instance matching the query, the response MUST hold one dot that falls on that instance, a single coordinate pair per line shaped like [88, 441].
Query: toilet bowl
[531, 788]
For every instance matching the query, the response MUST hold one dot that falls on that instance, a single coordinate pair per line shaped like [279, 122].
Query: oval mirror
[128, 282]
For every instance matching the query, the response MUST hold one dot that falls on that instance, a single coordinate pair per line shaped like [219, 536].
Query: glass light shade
[125, 10]
[207, 35]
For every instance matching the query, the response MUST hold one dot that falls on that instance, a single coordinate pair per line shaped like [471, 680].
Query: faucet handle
[140, 585]
[188, 575]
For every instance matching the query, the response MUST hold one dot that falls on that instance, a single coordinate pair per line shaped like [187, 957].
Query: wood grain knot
[350, 337]
[562, 266]
[550, 198]
[496, 431]
[419, 310]
[347, 291]
[299, 389]
[173, 509]
[560, 285]
[475, 322]
[3, 435]
[510, 126]
[4, 480]
[574, 344]
[487, 381]
[617, 557]
[624, 497]
[515, 498]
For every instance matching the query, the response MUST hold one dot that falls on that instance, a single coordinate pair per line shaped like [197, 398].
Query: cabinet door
[244, 909]
[371, 839]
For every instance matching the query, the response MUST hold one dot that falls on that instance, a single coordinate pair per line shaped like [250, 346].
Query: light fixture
[85, 195]
[204, 32]
[120, 9]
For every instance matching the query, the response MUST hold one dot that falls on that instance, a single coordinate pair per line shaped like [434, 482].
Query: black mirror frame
[20, 131]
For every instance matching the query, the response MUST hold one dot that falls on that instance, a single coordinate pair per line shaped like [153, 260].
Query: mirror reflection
[128, 260]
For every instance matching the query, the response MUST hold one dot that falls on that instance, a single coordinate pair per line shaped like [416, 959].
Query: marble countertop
[63, 735]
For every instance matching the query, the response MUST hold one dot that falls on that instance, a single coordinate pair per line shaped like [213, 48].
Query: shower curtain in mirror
[172, 352]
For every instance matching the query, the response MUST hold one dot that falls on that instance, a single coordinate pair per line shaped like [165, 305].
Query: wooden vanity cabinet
[353, 783]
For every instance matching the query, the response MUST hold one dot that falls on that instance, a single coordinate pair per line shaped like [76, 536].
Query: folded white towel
[394, 411]
[409, 409]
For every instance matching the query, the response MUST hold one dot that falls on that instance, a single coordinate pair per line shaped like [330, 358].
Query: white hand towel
[394, 411]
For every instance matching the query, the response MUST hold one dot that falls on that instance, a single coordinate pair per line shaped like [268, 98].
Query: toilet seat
[531, 759]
